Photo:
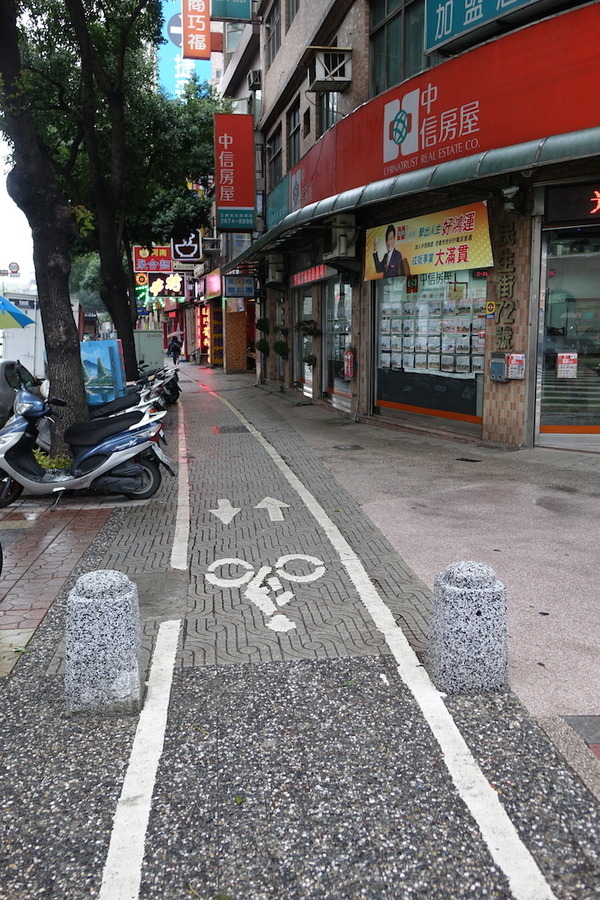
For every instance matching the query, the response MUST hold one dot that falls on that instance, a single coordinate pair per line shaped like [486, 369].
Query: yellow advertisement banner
[439, 242]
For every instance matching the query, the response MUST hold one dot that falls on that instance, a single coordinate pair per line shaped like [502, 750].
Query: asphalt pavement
[291, 744]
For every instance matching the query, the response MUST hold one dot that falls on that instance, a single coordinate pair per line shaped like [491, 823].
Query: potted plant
[310, 359]
[262, 345]
[282, 349]
[308, 327]
[262, 325]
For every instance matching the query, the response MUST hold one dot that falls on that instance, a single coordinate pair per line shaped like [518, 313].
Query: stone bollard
[103, 672]
[467, 648]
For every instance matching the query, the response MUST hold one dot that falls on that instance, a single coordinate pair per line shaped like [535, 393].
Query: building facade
[428, 229]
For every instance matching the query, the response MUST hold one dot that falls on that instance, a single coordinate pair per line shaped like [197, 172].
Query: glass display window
[429, 347]
[443, 315]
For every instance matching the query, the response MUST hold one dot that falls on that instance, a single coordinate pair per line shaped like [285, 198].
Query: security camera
[509, 193]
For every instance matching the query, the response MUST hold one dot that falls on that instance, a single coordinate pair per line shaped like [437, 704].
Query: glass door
[568, 405]
[338, 335]
[304, 358]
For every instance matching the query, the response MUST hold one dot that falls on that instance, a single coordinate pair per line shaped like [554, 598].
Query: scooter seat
[127, 401]
[86, 434]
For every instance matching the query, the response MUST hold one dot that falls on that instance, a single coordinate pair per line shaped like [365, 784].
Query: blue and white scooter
[118, 455]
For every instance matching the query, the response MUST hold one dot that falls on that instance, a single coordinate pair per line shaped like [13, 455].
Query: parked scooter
[114, 455]
[140, 400]
[163, 381]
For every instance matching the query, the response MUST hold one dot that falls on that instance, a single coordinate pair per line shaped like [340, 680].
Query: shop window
[397, 42]
[273, 27]
[431, 342]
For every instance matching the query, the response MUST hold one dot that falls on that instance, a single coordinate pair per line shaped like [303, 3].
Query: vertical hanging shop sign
[234, 169]
[195, 22]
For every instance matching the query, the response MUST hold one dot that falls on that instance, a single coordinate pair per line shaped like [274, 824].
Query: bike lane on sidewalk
[296, 761]
[318, 760]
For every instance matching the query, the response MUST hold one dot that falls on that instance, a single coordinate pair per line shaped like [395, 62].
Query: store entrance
[568, 413]
[337, 334]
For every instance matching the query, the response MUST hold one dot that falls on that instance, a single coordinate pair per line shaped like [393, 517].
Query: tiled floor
[42, 549]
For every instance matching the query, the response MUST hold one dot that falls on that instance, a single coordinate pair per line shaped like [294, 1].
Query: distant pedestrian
[174, 349]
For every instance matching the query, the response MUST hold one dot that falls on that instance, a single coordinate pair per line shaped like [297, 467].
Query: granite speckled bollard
[467, 649]
[103, 672]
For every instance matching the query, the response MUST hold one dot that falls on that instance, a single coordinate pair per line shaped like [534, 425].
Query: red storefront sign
[195, 21]
[509, 91]
[309, 276]
[152, 259]
[234, 172]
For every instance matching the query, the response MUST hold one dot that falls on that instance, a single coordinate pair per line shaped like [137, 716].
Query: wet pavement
[300, 750]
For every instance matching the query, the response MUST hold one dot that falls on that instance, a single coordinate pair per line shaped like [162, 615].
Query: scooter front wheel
[10, 490]
[150, 481]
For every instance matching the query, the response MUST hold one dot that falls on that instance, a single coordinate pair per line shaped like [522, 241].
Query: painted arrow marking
[273, 507]
[225, 511]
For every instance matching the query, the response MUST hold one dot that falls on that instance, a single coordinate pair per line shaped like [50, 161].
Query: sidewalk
[304, 753]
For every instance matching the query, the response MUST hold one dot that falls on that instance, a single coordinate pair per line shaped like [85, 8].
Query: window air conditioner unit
[254, 80]
[329, 69]
[340, 239]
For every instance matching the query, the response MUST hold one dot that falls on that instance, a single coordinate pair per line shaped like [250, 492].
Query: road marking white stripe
[123, 868]
[500, 835]
[179, 550]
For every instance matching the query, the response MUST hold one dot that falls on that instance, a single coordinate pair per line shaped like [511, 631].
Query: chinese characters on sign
[566, 365]
[505, 287]
[239, 286]
[151, 259]
[443, 241]
[195, 21]
[234, 165]
[449, 19]
[171, 284]
[419, 128]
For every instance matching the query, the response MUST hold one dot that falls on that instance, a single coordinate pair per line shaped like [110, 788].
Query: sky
[15, 236]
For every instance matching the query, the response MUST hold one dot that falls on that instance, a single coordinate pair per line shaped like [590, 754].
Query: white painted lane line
[500, 835]
[179, 550]
[123, 868]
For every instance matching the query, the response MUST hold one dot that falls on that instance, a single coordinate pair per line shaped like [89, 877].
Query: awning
[530, 155]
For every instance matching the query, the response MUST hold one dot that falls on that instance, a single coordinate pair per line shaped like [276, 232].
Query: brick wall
[234, 340]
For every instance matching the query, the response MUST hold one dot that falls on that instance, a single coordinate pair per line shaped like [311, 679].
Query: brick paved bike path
[295, 763]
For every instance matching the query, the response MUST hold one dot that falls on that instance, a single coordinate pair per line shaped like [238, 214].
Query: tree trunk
[32, 186]
[107, 191]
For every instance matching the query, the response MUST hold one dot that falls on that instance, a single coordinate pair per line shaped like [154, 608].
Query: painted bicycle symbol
[265, 587]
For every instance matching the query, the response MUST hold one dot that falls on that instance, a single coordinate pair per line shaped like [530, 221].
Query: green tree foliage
[120, 151]
[85, 281]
